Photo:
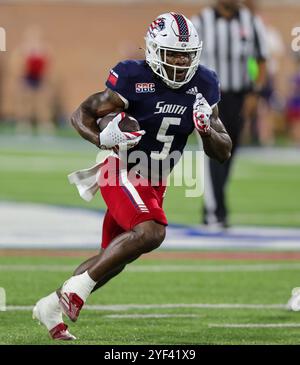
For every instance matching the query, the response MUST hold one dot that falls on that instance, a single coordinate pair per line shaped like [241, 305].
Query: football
[128, 124]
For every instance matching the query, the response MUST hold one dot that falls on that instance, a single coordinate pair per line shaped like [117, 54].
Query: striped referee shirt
[229, 44]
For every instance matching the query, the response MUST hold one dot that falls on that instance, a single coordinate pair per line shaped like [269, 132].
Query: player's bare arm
[95, 106]
[217, 143]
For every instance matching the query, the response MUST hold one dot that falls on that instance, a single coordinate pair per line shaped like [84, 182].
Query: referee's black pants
[217, 174]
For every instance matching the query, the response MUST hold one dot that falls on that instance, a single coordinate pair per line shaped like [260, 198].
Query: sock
[81, 284]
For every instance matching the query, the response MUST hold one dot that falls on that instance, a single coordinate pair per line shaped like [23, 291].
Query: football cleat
[60, 332]
[294, 302]
[71, 305]
[51, 317]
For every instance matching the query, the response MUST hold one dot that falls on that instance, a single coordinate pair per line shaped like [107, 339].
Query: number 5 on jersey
[162, 137]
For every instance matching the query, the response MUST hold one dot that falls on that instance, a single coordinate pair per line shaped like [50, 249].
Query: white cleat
[48, 313]
[294, 302]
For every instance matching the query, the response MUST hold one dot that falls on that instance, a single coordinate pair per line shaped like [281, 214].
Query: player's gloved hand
[112, 136]
[201, 115]
[131, 141]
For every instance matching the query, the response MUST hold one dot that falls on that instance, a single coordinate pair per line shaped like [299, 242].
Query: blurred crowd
[36, 105]
[276, 117]
[38, 99]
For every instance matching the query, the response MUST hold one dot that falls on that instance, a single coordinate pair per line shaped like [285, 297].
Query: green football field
[160, 301]
[167, 300]
[264, 189]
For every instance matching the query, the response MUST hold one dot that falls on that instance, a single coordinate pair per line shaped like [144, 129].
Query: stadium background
[225, 288]
[87, 39]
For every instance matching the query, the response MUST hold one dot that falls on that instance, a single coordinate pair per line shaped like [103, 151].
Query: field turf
[177, 301]
[160, 282]
[262, 191]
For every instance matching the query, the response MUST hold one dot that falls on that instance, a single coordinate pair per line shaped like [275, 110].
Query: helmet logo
[157, 26]
[182, 27]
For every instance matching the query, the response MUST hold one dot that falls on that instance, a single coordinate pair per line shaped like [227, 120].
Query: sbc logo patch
[144, 87]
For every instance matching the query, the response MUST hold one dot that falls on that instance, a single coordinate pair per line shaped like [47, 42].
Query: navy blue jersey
[164, 113]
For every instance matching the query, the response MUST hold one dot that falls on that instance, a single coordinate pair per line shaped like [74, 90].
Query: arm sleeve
[260, 43]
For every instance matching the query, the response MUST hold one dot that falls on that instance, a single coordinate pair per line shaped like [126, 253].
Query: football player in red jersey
[178, 95]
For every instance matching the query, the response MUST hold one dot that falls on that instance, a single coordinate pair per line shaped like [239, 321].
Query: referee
[234, 47]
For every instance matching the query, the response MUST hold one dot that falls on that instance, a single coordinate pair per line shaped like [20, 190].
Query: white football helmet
[173, 32]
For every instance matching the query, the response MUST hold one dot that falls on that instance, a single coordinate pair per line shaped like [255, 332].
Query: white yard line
[214, 268]
[156, 315]
[125, 307]
[254, 325]
[163, 268]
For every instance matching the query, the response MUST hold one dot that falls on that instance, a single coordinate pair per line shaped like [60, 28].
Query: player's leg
[125, 248]
[136, 209]
[110, 230]
[48, 311]
[130, 203]
[91, 261]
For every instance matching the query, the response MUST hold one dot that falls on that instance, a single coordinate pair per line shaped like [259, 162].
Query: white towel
[86, 179]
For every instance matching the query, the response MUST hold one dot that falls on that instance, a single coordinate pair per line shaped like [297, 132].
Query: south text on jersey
[162, 108]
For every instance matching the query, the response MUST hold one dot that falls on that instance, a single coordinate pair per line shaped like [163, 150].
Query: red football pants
[130, 200]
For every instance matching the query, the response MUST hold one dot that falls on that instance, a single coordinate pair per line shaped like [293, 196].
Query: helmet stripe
[182, 27]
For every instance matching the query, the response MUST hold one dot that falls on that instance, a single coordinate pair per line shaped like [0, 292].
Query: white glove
[112, 136]
[201, 114]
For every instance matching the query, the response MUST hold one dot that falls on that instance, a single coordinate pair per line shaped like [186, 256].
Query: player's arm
[216, 142]
[84, 119]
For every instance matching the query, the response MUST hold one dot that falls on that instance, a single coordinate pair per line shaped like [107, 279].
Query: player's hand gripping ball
[119, 131]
